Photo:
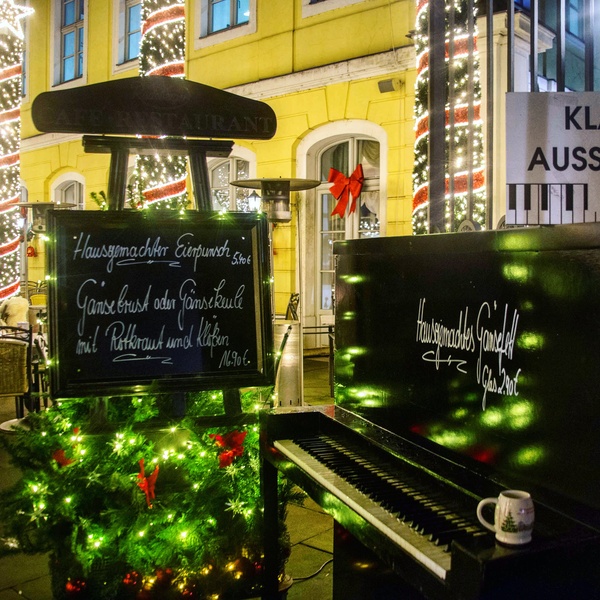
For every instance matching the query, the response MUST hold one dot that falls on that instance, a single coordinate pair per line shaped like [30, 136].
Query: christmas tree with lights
[161, 181]
[464, 132]
[130, 502]
[11, 52]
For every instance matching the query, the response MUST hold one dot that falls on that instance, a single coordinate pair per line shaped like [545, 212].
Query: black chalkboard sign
[157, 300]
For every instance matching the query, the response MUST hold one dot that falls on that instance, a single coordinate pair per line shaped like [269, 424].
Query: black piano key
[545, 192]
[512, 197]
[423, 505]
[527, 197]
[569, 197]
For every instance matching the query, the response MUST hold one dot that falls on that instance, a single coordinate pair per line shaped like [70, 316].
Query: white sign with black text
[552, 157]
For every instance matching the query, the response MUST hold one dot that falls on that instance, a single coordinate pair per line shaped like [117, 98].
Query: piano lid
[485, 345]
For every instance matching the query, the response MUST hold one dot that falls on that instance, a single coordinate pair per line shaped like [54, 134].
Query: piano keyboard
[419, 518]
[551, 204]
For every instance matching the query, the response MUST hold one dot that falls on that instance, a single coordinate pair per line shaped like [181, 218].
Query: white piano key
[419, 547]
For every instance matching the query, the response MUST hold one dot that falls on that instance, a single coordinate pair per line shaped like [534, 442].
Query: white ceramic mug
[513, 517]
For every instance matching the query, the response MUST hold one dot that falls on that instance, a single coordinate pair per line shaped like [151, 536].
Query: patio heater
[275, 199]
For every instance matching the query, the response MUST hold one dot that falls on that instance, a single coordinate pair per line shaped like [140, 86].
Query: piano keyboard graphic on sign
[420, 517]
[551, 204]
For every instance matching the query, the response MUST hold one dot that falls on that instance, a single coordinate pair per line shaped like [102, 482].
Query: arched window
[341, 145]
[344, 155]
[70, 192]
[69, 188]
[224, 195]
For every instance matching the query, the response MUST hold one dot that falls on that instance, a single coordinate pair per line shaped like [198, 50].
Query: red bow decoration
[60, 455]
[233, 441]
[61, 458]
[146, 484]
[343, 187]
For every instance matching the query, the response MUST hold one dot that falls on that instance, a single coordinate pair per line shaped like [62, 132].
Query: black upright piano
[464, 364]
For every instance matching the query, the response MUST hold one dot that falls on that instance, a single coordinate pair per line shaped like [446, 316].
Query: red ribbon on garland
[232, 442]
[146, 484]
[343, 187]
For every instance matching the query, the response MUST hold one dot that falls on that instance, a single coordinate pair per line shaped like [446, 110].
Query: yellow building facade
[339, 75]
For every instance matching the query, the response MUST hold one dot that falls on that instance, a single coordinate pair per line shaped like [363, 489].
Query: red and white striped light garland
[163, 16]
[11, 48]
[462, 124]
[162, 52]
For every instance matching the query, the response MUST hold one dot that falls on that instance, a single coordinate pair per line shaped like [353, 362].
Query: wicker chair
[38, 299]
[16, 367]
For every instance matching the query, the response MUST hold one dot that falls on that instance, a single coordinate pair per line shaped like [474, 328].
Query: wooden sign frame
[156, 301]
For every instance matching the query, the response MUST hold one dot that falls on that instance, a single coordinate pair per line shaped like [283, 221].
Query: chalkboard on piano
[158, 301]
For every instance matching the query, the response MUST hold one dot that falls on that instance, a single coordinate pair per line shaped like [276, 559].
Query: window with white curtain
[344, 156]
[227, 197]
[70, 192]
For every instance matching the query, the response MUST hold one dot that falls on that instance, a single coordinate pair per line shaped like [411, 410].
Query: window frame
[234, 191]
[120, 36]
[57, 45]
[76, 28]
[310, 9]
[204, 38]
[237, 153]
[351, 223]
[128, 32]
[233, 16]
[62, 183]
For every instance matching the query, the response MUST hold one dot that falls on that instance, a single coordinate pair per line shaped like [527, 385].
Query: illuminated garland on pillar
[463, 133]
[11, 49]
[161, 181]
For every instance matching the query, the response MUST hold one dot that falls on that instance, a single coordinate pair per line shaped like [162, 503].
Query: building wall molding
[376, 65]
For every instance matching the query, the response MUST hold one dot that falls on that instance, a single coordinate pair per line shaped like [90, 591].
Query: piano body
[464, 364]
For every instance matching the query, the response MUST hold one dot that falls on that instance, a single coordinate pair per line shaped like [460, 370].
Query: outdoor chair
[16, 377]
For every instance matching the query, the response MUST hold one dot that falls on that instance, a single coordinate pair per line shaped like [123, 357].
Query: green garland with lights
[128, 507]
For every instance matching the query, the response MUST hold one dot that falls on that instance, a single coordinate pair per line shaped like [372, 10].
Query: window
[364, 222]
[70, 192]
[574, 20]
[224, 14]
[133, 29]
[219, 21]
[224, 195]
[126, 34]
[71, 39]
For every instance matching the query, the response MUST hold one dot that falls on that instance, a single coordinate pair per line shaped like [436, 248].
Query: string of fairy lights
[160, 181]
[11, 50]
[464, 124]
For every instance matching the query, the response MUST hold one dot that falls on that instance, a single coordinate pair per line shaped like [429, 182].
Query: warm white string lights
[464, 123]
[161, 181]
[11, 50]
